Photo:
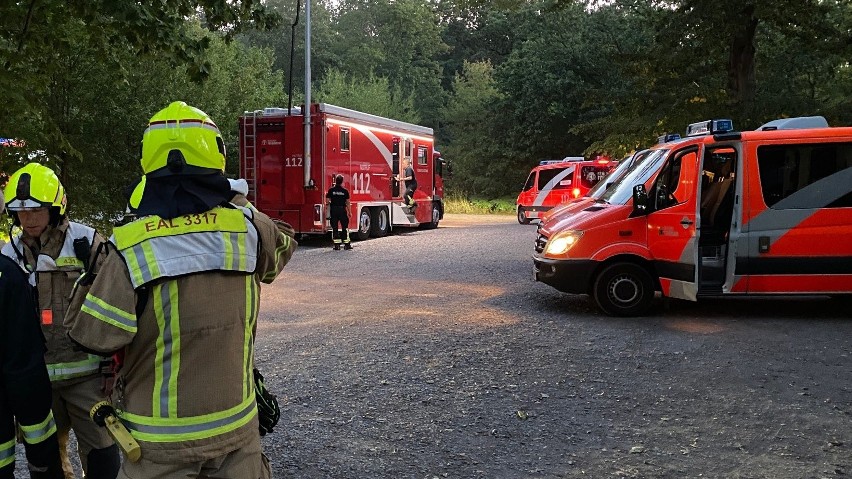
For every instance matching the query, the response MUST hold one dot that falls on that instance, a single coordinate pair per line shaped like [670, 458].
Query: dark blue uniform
[338, 196]
[25, 392]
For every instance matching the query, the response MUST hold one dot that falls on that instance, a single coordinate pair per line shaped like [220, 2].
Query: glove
[268, 412]
[285, 228]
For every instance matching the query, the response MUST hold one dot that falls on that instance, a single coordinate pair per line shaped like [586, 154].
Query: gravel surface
[433, 354]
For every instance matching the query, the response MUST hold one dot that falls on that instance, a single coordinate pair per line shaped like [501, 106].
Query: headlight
[560, 243]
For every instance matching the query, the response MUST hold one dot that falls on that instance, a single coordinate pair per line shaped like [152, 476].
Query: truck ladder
[250, 154]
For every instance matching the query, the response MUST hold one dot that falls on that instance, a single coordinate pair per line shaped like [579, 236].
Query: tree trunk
[741, 78]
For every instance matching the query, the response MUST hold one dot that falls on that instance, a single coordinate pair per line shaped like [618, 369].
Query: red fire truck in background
[366, 149]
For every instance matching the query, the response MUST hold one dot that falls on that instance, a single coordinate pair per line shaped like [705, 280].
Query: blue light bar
[709, 127]
[668, 137]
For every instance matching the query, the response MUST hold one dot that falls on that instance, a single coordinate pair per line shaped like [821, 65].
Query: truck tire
[624, 289]
[364, 225]
[522, 216]
[436, 217]
[380, 222]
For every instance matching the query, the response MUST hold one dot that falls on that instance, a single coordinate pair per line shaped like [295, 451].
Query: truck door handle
[686, 222]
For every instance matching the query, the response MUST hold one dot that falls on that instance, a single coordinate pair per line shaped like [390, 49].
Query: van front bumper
[569, 276]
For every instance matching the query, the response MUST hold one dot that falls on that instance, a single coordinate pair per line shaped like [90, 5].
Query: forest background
[504, 83]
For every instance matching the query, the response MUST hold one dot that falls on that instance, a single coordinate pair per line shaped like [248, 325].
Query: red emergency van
[719, 212]
[556, 181]
[366, 149]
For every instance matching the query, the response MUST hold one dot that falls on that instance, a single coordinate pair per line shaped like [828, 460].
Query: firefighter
[337, 200]
[55, 252]
[179, 282]
[24, 383]
[410, 182]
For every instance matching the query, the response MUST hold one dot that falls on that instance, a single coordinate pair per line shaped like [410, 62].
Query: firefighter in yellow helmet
[181, 281]
[55, 252]
[24, 384]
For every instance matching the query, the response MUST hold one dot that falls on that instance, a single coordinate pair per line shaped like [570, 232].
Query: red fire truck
[367, 150]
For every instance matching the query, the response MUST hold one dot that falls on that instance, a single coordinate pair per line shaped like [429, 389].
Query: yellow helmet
[182, 140]
[35, 186]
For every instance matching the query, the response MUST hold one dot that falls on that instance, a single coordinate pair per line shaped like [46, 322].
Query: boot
[347, 246]
[337, 247]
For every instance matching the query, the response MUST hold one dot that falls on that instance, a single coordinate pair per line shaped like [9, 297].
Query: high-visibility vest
[222, 239]
[66, 261]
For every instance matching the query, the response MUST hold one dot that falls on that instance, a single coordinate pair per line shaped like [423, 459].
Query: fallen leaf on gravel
[637, 450]
[522, 415]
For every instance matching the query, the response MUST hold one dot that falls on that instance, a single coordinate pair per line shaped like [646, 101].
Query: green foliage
[41, 40]
[460, 204]
[504, 83]
[370, 95]
[398, 40]
[480, 165]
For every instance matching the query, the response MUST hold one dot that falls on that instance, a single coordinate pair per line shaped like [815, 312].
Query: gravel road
[433, 354]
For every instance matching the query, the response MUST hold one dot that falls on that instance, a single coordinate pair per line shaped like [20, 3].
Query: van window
[806, 176]
[421, 155]
[530, 182]
[665, 191]
[591, 175]
[545, 176]
[622, 190]
[344, 139]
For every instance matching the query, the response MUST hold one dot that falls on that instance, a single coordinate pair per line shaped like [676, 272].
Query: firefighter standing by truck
[337, 200]
[24, 383]
[55, 251]
[181, 281]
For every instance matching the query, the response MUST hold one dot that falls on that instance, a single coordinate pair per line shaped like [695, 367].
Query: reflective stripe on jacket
[188, 390]
[36, 433]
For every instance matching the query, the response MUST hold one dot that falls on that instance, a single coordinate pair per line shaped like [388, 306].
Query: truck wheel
[381, 222]
[364, 224]
[522, 216]
[436, 217]
[624, 289]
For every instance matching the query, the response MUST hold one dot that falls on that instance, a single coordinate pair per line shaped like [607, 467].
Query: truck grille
[539, 243]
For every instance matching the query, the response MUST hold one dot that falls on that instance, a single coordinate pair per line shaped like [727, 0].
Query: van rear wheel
[624, 289]
[522, 216]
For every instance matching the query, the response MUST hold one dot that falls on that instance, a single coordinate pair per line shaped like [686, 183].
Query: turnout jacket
[24, 386]
[180, 297]
[53, 270]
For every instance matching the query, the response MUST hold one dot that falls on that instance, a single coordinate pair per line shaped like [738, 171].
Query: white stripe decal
[542, 194]
[383, 150]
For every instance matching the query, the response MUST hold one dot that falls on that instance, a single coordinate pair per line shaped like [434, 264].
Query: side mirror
[640, 200]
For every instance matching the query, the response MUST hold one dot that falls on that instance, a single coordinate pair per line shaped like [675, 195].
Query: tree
[481, 167]
[371, 95]
[398, 40]
[41, 40]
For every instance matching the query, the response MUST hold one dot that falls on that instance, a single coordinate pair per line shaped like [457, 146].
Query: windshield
[623, 167]
[622, 190]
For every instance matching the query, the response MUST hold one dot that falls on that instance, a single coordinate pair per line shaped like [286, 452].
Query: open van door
[672, 228]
